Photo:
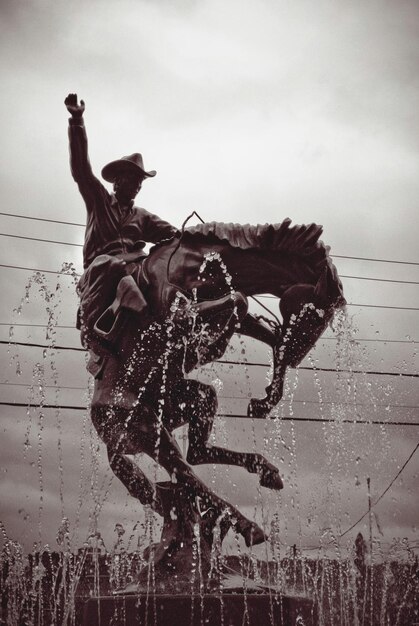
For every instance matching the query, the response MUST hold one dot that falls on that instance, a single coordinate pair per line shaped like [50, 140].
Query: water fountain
[198, 557]
[340, 585]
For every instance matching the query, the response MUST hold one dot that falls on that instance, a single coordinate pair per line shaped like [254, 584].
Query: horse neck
[250, 271]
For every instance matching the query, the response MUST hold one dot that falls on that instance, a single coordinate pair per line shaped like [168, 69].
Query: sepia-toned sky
[250, 111]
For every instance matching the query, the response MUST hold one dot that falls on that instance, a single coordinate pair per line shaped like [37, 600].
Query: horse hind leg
[200, 451]
[253, 462]
[137, 483]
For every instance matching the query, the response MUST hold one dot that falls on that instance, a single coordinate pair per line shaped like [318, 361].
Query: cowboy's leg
[97, 287]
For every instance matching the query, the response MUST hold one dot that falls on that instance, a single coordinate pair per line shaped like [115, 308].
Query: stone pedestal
[194, 610]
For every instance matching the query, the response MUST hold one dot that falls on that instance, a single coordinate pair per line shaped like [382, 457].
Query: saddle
[114, 288]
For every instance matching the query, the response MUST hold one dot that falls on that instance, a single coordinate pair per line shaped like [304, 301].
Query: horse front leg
[254, 327]
[306, 313]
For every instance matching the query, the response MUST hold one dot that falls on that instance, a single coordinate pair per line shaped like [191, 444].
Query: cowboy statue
[115, 238]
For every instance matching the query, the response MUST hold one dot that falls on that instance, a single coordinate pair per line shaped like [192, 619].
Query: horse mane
[298, 239]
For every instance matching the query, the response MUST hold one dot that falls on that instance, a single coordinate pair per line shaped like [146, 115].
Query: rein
[177, 248]
[179, 289]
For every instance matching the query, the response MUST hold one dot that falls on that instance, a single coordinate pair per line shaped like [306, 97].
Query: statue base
[229, 609]
[186, 543]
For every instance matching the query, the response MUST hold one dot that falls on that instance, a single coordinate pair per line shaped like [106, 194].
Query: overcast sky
[250, 111]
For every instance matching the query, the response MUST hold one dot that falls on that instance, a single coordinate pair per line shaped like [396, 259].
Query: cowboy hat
[133, 162]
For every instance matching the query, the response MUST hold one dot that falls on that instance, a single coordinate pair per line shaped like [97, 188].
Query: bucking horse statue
[148, 321]
[197, 287]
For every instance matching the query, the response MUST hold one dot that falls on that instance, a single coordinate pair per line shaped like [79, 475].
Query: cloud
[250, 112]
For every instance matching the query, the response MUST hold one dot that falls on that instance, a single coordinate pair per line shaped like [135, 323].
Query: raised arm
[81, 169]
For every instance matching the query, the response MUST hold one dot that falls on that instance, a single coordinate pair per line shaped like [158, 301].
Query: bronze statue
[150, 320]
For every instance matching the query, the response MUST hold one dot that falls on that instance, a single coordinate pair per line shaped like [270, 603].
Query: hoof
[253, 535]
[269, 477]
[258, 408]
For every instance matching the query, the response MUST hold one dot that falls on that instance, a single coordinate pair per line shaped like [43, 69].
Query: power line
[222, 362]
[66, 243]
[338, 256]
[221, 397]
[384, 492]
[285, 418]
[361, 258]
[336, 403]
[408, 341]
[13, 324]
[267, 296]
[364, 306]
[383, 306]
[370, 278]
[61, 243]
[36, 384]
[35, 269]
[42, 219]
[321, 420]
[41, 345]
[27, 405]
[382, 280]
[323, 369]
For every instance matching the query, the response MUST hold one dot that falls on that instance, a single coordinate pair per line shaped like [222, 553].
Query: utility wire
[56, 387]
[267, 296]
[384, 492]
[221, 397]
[285, 418]
[367, 306]
[338, 256]
[361, 258]
[35, 269]
[323, 369]
[42, 219]
[383, 306]
[41, 345]
[13, 324]
[337, 403]
[61, 243]
[383, 280]
[222, 362]
[409, 341]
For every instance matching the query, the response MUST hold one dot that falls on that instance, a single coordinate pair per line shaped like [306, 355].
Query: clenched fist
[73, 107]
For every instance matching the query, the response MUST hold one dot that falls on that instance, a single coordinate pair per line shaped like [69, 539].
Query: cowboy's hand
[73, 107]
